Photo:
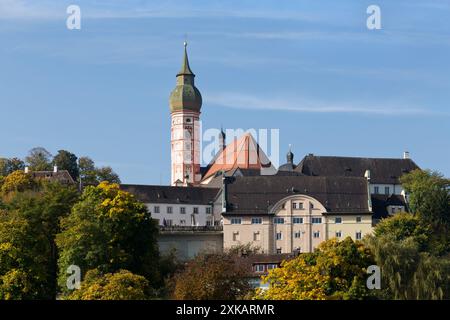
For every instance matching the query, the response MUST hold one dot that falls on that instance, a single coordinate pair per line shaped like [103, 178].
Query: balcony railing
[191, 228]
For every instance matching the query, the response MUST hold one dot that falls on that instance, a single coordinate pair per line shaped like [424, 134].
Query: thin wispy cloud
[296, 104]
[44, 9]
[21, 9]
[392, 36]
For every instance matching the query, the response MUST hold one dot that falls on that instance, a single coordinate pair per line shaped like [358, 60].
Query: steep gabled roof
[382, 170]
[169, 194]
[243, 153]
[61, 176]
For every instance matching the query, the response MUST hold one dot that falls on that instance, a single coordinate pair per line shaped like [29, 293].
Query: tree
[402, 226]
[244, 249]
[122, 285]
[92, 176]
[24, 256]
[18, 181]
[213, 276]
[429, 200]
[66, 160]
[108, 230]
[8, 166]
[15, 285]
[28, 226]
[107, 174]
[401, 246]
[39, 159]
[88, 172]
[336, 270]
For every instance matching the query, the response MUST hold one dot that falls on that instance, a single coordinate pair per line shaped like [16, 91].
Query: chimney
[27, 170]
[367, 175]
[55, 169]
[406, 155]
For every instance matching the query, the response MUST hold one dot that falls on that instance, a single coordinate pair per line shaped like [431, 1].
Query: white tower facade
[185, 104]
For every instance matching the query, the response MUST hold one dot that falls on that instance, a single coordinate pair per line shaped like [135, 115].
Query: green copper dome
[185, 96]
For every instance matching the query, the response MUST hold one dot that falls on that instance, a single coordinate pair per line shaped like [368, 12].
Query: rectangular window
[316, 220]
[168, 222]
[272, 266]
[358, 219]
[278, 220]
[259, 268]
[311, 205]
[294, 205]
[392, 210]
[297, 234]
[156, 209]
[279, 251]
[300, 205]
[256, 220]
[236, 221]
[376, 190]
[386, 190]
[235, 236]
[358, 236]
[338, 220]
[208, 210]
[182, 210]
[297, 220]
[256, 236]
[196, 210]
[169, 209]
[209, 223]
[316, 234]
[279, 236]
[338, 234]
[183, 222]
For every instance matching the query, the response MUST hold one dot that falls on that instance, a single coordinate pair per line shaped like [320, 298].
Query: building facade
[291, 211]
[285, 214]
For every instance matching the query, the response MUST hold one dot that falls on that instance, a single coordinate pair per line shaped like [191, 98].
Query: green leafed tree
[39, 159]
[429, 200]
[29, 221]
[92, 175]
[108, 230]
[107, 174]
[66, 160]
[401, 246]
[8, 166]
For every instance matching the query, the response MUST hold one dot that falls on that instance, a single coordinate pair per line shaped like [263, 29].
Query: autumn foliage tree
[108, 230]
[212, 276]
[29, 220]
[17, 181]
[336, 270]
[121, 285]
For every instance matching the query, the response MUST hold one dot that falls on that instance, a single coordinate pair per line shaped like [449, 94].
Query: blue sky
[309, 68]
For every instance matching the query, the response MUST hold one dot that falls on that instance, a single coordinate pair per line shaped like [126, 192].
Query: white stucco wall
[177, 218]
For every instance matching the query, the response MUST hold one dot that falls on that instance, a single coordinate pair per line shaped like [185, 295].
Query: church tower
[185, 103]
